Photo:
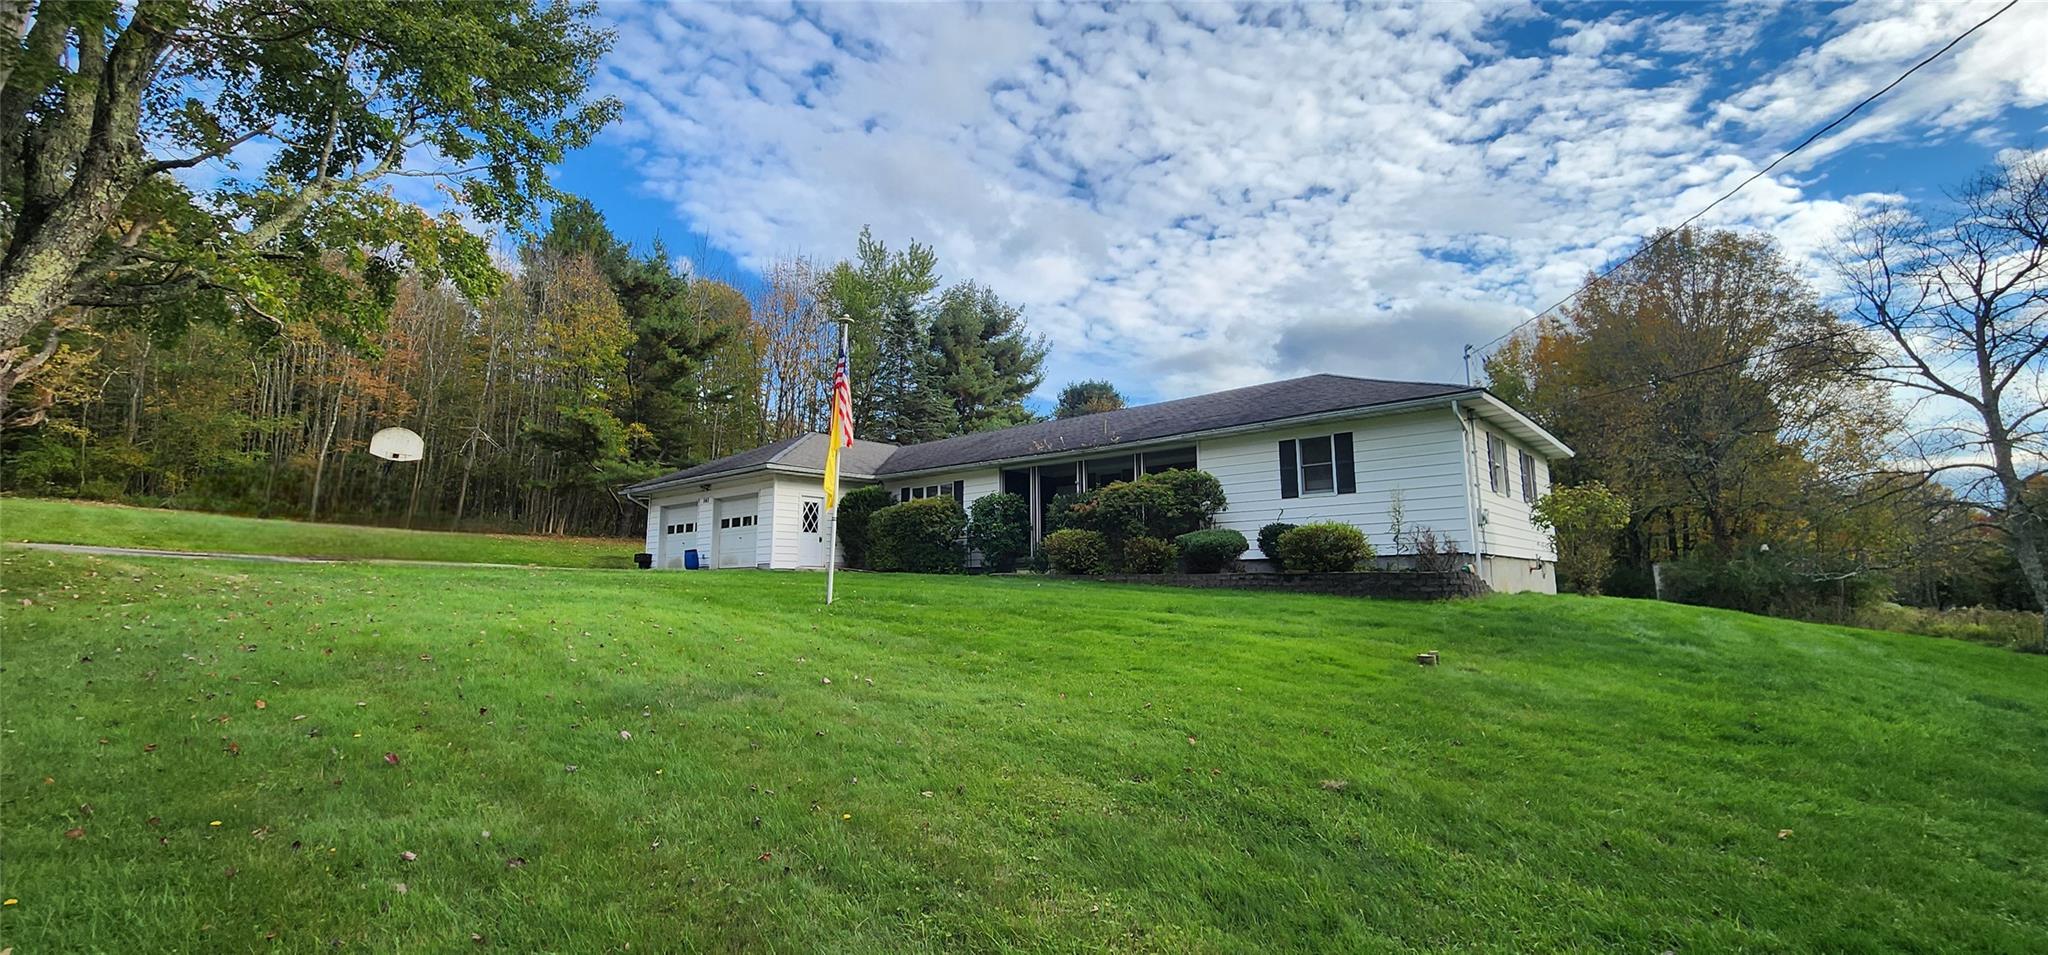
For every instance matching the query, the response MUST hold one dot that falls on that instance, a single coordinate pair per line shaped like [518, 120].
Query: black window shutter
[905, 492]
[1290, 481]
[960, 492]
[1347, 477]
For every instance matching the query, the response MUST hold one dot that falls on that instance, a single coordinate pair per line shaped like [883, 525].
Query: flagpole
[832, 536]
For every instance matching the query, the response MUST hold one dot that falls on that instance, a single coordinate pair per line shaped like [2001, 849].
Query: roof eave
[643, 492]
[1356, 411]
[1528, 425]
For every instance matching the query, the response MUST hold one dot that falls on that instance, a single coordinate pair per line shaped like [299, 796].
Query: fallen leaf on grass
[409, 856]
[390, 759]
[262, 705]
[516, 862]
[75, 832]
[1784, 833]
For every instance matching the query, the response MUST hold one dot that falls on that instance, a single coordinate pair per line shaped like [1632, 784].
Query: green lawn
[193, 758]
[113, 525]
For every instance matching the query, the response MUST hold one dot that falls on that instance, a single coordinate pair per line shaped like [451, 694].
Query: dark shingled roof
[805, 451]
[1274, 401]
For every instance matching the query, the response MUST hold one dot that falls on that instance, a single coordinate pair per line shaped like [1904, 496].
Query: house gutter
[642, 493]
[1366, 411]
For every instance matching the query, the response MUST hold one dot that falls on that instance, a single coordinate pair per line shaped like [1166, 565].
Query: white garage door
[678, 530]
[736, 532]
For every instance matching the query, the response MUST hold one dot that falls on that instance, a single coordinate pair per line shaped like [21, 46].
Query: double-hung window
[1497, 464]
[1528, 477]
[1318, 465]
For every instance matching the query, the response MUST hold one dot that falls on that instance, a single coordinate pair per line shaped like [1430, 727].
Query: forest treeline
[591, 365]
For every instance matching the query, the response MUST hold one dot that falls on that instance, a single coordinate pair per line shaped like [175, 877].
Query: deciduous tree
[1958, 296]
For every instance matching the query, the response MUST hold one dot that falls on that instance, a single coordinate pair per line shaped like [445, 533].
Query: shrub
[856, 510]
[1147, 555]
[1208, 552]
[999, 525]
[1164, 505]
[1123, 510]
[1324, 547]
[1059, 512]
[1269, 542]
[1076, 551]
[1769, 583]
[921, 537]
[1194, 498]
[1582, 521]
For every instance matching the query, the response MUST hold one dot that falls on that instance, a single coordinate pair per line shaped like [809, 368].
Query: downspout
[1471, 483]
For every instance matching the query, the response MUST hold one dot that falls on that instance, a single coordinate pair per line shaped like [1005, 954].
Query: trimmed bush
[1076, 551]
[1164, 505]
[999, 525]
[1324, 547]
[856, 509]
[1148, 555]
[1194, 499]
[1059, 512]
[919, 537]
[1208, 552]
[1269, 542]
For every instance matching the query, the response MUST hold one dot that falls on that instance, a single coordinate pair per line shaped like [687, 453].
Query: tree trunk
[2030, 550]
[320, 463]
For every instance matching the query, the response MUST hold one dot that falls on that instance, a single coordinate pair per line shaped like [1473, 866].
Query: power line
[1656, 380]
[1759, 174]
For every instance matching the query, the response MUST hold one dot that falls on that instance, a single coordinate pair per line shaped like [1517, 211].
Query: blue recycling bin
[690, 559]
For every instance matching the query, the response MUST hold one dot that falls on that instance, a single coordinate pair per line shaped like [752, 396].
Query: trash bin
[643, 560]
[690, 559]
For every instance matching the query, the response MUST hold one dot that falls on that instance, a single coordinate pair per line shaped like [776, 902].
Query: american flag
[842, 428]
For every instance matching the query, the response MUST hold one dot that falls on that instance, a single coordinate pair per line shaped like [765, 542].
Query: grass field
[219, 756]
[78, 522]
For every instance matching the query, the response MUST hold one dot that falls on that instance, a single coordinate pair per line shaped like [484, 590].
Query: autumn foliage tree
[103, 102]
[1705, 382]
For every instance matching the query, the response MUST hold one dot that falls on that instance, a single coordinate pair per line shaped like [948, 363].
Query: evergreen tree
[1087, 397]
[885, 296]
[985, 362]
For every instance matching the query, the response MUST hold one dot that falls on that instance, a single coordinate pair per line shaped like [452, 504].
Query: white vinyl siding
[1510, 532]
[1419, 453]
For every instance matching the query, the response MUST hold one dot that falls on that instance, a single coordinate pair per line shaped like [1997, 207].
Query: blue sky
[1192, 197]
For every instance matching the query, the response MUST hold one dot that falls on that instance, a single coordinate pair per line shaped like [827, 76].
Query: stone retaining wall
[1394, 585]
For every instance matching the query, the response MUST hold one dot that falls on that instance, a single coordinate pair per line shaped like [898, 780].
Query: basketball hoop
[397, 444]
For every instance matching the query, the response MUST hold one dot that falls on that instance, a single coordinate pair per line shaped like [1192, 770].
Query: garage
[678, 532]
[736, 526]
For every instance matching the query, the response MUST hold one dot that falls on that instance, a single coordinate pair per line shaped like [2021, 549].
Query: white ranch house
[1325, 447]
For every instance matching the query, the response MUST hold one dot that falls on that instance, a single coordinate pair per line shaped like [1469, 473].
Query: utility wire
[1656, 380]
[1759, 174]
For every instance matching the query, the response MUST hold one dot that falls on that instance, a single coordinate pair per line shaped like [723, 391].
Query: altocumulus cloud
[1188, 198]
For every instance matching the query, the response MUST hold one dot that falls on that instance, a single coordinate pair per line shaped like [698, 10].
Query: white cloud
[1189, 199]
